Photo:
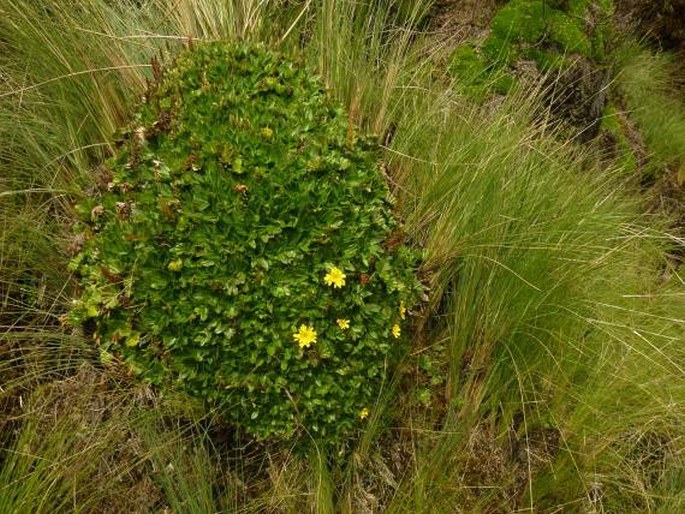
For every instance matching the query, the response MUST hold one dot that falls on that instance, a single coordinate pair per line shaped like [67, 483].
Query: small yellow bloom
[176, 265]
[396, 331]
[335, 277]
[344, 324]
[364, 413]
[305, 336]
[403, 310]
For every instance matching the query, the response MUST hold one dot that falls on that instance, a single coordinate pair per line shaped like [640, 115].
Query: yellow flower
[335, 277]
[176, 265]
[403, 310]
[305, 336]
[344, 324]
[396, 331]
[364, 413]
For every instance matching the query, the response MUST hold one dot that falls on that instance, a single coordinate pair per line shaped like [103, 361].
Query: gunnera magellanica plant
[244, 248]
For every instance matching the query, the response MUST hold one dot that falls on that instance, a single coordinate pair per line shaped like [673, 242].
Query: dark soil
[661, 22]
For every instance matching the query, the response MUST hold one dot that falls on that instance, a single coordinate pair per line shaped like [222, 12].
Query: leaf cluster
[237, 187]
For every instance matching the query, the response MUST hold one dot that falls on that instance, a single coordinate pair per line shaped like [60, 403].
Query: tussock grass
[545, 278]
[555, 332]
[650, 84]
[84, 446]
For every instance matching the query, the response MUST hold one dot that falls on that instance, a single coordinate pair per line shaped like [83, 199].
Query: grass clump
[85, 445]
[244, 248]
[534, 259]
[647, 82]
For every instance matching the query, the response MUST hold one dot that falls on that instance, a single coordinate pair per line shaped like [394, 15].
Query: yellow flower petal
[396, 331]
[305, 336]
[364, 413]
[344, 324]
[335, 277]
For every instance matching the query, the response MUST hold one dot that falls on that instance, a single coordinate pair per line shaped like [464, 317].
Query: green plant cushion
[244, 249]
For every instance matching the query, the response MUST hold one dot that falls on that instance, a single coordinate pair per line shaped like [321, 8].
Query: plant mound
[242, 248]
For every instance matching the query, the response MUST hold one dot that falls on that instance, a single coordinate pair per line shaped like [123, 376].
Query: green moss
[522, 24]
[602, 33]
[475, 77]
[569, 33]
[516, 23]
[578, 7]
[530, 29]
[240, 186]
[599, 41]
[606, 7]
[467, 64]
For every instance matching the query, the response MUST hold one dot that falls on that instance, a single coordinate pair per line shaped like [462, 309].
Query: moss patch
[477, 78]
[524, 24]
